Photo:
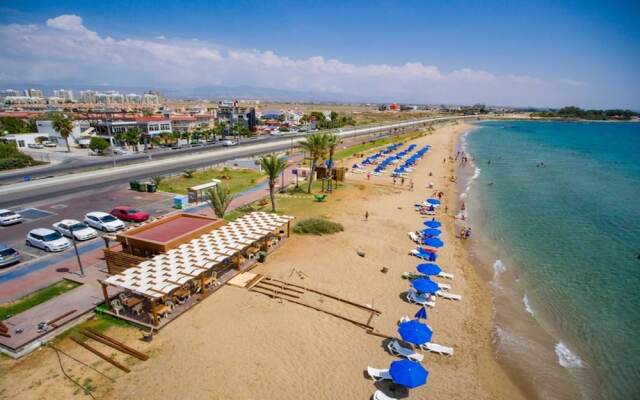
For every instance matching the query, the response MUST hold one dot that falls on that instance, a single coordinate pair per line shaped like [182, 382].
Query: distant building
[65, 95]
[88, 96]
[153, 126]
[232, 114]
[34, 93]
[183, 123]
[394, 107]
[9, 93]
[45, 127]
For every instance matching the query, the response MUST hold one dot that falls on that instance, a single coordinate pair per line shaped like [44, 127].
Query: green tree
[219, 197]
[98, 144]
[157, 179]
[273, 166]
[316, 145]
[64, 127]
[332, 143]
[132, 137]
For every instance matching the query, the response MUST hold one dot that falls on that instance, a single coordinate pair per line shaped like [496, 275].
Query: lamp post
[75, 247]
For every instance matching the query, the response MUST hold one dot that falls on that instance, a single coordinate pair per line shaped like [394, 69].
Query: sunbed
[415, 298]
[396, 349]
[437, 348]
[379, 395]
[378, 374]
[448, 296]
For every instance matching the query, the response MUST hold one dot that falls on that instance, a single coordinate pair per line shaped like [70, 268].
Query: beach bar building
[153, 291]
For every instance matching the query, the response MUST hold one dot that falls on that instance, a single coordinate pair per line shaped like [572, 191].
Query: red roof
[151, 119]
[18, 114]
[182, 118]
[172, 228]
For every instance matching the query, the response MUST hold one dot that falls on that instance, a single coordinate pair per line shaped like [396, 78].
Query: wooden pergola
[159, 277]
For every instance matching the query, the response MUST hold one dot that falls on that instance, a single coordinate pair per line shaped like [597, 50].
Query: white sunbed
[445, 275]
[416, 253]
[437, 348]
[448, 296]
[414, 236]
[397, 350]
[379, 395]
[378, 374]
[412, 297]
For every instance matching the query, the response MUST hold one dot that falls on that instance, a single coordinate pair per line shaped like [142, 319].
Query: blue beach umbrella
[408, 373]
[429, 269]
[424, 285]
[433, 201]
[433, 242]
[431, 232]
[427, 254]
[433, 224]
[421, 314]
[415, 332]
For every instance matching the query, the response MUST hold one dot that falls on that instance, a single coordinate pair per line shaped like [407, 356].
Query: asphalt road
[36, 190]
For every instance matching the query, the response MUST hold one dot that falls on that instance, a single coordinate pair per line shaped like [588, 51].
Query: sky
[540, 53]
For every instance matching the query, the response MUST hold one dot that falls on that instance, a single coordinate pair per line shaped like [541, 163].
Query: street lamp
[75, 247]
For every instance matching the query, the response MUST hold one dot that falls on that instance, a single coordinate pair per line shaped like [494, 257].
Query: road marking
[58, 206]
[30, 254]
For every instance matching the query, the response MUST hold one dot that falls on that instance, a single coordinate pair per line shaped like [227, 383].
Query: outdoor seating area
[158, 289]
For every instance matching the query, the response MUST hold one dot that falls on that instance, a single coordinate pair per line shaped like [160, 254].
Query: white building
[9, 93]
[80, 128]
[23, 140]
[88, 96]
[133, 98]
[64, 94]
[33, 93]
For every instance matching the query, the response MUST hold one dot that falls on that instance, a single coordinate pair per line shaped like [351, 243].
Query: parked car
[80, 230]
[8, 217]
[35, 146]
[229, 143]
[120, 151]
[48, 143]
[47, 240]
[127, 213]
[103, 221]
[8, 255]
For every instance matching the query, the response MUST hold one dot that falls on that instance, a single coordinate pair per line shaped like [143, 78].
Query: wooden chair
[117, 306]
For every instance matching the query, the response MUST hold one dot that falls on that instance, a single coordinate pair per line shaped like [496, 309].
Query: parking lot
[45, 213]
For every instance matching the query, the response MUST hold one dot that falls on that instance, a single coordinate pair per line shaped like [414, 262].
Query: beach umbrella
[415, 332]
[429, 269]
[433, 201]
[421, 314]
[408, 373]
[433, 242]
[433, 224]
[431, 232]
[428, 254]
[425, 285]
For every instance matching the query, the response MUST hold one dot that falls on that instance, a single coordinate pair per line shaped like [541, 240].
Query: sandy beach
[239, 344]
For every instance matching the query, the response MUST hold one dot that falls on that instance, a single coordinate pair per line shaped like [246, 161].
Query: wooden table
[181, 292]
[131, 302]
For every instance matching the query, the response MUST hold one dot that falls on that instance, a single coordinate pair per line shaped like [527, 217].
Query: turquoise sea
[555, 211]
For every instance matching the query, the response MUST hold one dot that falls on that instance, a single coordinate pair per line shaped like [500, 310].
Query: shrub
[98, 144]
[157, 179]
[317, 226]
[188, 173]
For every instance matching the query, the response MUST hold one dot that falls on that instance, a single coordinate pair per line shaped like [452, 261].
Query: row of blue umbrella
[379, 154]
[398, 156]
[411, 161]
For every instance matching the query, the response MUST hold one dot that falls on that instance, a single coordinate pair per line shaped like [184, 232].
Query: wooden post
[105, 293]
[153, 312]
[266, 243]
[202, 282]
[288, 228]
[238, 260]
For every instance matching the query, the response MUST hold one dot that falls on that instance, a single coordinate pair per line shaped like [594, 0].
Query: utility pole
[75, 247]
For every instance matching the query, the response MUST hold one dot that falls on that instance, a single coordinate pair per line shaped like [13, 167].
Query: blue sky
[542, 53]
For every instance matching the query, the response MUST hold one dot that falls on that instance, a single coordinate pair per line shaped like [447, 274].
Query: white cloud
[573, 82]
[65, 50]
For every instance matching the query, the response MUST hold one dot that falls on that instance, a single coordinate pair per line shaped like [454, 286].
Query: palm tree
[316, 144]
[132, 137]
[219, 197]
[332, 142]
[64, 127]
[273, 166]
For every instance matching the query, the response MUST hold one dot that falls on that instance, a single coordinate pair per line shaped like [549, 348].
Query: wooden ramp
[344, 309]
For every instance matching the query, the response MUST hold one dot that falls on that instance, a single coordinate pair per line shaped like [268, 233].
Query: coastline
[278, 349]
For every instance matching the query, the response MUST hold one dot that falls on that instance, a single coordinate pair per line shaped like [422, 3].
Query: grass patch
[35, 298]
[236, 179]
[100, 323]
[363, 147]
[317, 226]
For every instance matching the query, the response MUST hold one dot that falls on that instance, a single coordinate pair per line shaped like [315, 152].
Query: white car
[80, 230]
[48, 143]
[103, 221]
[229, 143]
[47, 240]
[8, 217]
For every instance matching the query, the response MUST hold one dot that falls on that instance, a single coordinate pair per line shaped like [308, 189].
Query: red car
[127, 213]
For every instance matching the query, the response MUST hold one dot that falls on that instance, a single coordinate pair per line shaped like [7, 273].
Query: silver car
[8, 256]
[8, 217]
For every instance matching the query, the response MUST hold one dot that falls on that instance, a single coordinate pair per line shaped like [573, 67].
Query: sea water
[555, 212]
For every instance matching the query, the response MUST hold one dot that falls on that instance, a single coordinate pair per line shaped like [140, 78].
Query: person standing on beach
[444, 160]
[394, 180]
[402, 181]
[366, 215]
[368, 176]
[410, 184]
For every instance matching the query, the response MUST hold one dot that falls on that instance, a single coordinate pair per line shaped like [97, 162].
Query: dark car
[8, 256]
[127, 213]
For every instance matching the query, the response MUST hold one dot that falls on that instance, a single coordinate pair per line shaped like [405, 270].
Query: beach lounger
[415, 298]
[378, 374]
[445, 275]
[396, 349]
[448, 296]
[437, 348]
[379, 395]
[422, 256]
[414, 236]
